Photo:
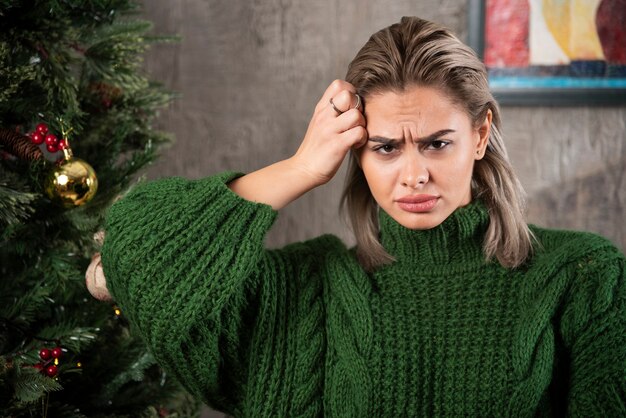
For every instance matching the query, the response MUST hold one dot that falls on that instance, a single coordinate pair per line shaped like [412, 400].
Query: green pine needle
[31, 385]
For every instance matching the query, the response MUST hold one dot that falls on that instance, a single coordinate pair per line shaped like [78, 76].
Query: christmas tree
[75, 127]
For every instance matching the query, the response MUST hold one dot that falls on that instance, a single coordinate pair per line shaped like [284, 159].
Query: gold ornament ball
[71, 183]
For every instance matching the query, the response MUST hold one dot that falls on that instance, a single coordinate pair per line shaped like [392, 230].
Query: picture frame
[559, 84]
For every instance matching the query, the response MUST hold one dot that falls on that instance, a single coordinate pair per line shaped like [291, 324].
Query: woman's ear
[483, 135]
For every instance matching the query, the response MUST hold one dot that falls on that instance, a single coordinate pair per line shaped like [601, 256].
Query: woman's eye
[438, 144]
[385, 149]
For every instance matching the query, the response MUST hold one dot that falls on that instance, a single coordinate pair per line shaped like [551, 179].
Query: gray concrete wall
[250, 72]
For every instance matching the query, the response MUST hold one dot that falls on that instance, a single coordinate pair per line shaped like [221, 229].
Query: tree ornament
[37, 138]
[52, 148]
[19, 145]
[42, 129]
[52, 370]
[45, 354]
[51, 139]
[107, 93]
[57, 352]
[71, 182]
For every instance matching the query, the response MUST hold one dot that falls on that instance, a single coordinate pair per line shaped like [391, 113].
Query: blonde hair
[415, 52]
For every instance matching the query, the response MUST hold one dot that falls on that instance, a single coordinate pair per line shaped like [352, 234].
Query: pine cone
[19, 145]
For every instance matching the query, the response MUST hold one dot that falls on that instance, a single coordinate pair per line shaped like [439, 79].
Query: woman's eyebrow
[383, 140]
[429, 138]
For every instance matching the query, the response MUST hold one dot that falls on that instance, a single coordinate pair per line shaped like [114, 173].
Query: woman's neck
[455, 243]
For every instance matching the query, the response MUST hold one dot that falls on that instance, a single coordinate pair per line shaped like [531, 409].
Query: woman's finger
[333, 89]
[343, 101]
[354, 137]
[349, 120]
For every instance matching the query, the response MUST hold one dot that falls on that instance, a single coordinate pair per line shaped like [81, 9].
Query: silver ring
[339, 112]
[358, 101]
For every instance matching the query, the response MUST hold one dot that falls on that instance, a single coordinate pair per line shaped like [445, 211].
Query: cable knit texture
[304, 332]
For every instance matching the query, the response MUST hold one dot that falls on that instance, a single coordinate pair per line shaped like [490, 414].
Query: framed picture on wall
[552, 52]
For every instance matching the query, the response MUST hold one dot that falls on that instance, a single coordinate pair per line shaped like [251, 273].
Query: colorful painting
[557, 51]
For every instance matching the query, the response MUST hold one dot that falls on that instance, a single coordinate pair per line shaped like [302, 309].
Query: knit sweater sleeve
[183, 259]
[593, 328]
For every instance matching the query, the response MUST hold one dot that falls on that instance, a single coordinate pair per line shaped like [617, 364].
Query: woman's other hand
[94, 276]
[95, 280]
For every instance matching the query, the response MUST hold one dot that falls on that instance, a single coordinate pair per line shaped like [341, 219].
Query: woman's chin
[418, 221]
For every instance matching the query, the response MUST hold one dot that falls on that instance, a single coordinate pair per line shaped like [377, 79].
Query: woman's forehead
[414, 112]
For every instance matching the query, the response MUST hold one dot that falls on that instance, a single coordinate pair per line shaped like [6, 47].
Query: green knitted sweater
[303, 331]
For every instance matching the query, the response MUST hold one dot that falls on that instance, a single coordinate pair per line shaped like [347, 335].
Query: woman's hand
[95, 280]
[94, 276]
[334, 129]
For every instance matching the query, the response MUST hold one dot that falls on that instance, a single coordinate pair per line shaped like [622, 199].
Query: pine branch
[24, 307]
[12, 74]
[135, 372]
[31, 385]
[15, 206]
[119, 44]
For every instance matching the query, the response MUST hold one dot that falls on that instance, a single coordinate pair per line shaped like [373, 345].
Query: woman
[449, 305]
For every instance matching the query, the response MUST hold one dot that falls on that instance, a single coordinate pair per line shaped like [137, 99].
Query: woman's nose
[414, 170]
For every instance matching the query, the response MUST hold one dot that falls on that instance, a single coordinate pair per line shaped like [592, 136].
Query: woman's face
[420, 155]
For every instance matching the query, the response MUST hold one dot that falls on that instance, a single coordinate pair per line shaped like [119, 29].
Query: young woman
[449, 305]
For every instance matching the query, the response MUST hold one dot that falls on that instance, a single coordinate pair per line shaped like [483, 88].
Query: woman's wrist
[276, 185]
[303, 173]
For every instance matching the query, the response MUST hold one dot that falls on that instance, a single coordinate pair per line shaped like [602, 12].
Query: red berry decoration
[52, 148]
[57, 352]
[52, 370]
[45, 354]
[51, 139]
[62, 144]
[36, 138]
[42, 129]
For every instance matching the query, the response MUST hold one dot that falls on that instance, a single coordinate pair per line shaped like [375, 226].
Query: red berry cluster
[41, 134]
[48, 364]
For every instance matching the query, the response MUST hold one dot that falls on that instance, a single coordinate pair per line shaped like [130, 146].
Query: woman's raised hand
[336, 126]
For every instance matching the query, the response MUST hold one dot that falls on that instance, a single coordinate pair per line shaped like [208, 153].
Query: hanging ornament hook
[65, 133]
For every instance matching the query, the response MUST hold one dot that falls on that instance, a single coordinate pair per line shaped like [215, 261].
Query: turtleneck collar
[456, 241]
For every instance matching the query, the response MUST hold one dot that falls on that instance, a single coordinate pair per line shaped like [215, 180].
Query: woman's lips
[418, 204]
